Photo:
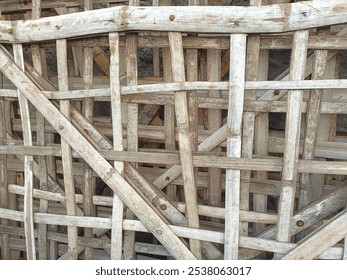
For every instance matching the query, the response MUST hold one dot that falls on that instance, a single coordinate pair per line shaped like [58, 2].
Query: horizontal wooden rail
[265, 19]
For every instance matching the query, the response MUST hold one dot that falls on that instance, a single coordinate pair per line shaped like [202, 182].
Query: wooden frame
[184, 178]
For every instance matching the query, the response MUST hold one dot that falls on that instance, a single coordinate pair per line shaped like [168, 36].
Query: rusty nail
[167, 178]
[300, 223]
[172, 18]
[163, 206]
[61, 127]
[276, 92]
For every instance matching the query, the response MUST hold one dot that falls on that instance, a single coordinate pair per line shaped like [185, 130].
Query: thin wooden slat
[214, 121]
[5, 238]
[252, 62]
[312, 120]
[69, 182]
[291, 150]
[234, 123]
[28, 162]
[132, 127]
[169, 119]
[117, 207]
[185, 144]
[87, 108]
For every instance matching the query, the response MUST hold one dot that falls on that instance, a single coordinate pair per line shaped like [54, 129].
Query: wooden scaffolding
[104, 158]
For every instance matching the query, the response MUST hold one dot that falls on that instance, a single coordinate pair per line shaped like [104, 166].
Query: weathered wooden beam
[265, 19]
[234, 134]
[72, 136]
[118, 206]
[184, 138]
[28, 162]
[69, 181]
[291, 145]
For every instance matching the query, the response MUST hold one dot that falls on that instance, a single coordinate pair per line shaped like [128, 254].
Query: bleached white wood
[184, 134]
[234, 131]
[312, 124]
[69, 182]
[28, 162]
[117, 207]
[269, 18]
[291, 146]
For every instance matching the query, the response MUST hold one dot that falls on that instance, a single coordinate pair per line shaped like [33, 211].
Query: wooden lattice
[103, 158]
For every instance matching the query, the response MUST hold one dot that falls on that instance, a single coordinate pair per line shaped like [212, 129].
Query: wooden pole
[185, 143]
[234, 130]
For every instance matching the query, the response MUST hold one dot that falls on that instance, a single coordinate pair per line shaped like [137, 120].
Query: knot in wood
[172, 17]
[163, 206]
[300, 223]
[61, 127]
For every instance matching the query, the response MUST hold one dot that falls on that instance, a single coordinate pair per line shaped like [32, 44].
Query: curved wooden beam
[236, 19]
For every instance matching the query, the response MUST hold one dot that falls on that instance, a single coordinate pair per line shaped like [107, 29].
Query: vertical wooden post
[234, 124]
[185, 143]
[214, 122]
[292, 137]
[87, 107]
[312, 120]
[261, 129]
[40, 122]
[4, 195]
[28, 163]
[132, 125]
[66, 149]
[117, 207]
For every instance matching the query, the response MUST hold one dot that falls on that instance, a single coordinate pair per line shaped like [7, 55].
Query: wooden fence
[104, 158]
